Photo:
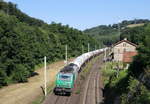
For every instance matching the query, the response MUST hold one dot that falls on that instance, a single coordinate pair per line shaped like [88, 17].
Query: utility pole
[105, 55]
[66, 55]
[119, 32]
[105, 58]
[45, 80]
[82, 49]
[119, 29]
[88, 47]
[99, 46]
[95, 47]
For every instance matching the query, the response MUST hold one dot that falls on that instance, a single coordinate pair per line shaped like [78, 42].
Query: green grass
[128, 88]
[78, 91]
[113, 81]
[41, 98]
[111, 75]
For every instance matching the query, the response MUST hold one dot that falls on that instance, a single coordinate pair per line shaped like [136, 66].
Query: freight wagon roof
[67, 69]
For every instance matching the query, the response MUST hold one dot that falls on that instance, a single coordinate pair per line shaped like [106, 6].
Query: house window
[124, 44]
[124, 50]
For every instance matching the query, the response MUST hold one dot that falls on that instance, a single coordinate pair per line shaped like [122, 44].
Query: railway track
[54, 99]
[90, 93]
[92, 88]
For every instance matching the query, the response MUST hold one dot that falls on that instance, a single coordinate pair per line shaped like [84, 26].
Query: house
[123, 51]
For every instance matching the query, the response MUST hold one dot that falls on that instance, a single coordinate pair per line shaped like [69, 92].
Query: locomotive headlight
[68, 85]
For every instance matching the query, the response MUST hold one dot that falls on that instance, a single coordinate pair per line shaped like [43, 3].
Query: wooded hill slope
[109, 34]
[24, 41]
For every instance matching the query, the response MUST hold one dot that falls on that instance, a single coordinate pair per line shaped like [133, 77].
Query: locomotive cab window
[64, 77]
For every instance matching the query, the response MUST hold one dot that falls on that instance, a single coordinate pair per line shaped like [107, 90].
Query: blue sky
[83, 14]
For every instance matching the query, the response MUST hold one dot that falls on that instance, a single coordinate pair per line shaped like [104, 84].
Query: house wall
[128, 56]
[119, 50]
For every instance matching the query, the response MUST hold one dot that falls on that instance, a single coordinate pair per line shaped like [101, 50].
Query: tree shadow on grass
[34, 74]
[111, 94]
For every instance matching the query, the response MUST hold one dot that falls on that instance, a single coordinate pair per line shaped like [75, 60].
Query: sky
[83, 14]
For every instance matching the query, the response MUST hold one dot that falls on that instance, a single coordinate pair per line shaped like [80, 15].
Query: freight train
[67, 76]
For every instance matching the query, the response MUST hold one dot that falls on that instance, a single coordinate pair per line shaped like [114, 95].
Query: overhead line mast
[82, 49]
[119, 29]
[88, 47]
[66, 54]
[45, 79]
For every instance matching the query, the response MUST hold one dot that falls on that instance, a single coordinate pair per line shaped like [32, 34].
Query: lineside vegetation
[24, 41]
[131, 86]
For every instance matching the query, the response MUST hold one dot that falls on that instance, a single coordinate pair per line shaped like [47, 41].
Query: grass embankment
[110, 73]
[111, 78]
[26, 93]
[41, 98]
[122, 88]
[50, 87]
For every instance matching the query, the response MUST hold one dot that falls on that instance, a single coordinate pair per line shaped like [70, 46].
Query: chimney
[125, 38]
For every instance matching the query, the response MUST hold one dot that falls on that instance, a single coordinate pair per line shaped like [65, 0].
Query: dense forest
[105, 35]
[109, 34]
[137, 87]
[24, 41]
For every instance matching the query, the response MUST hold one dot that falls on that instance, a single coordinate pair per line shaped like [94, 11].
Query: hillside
[132, 85]
[104, 34]
[24, 41]
[108, 34]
